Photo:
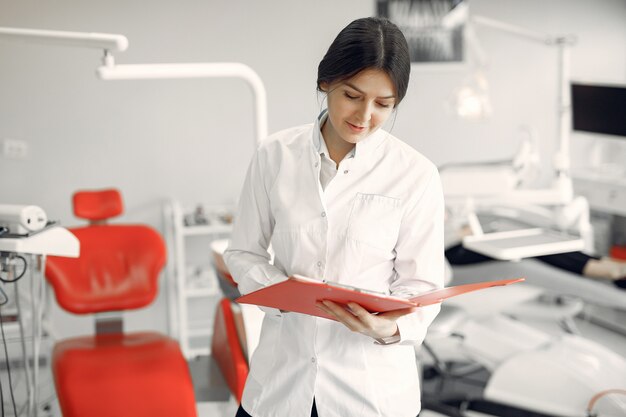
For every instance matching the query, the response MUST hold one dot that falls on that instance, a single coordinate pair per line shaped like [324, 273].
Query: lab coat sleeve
[419, 262]
[247, 256]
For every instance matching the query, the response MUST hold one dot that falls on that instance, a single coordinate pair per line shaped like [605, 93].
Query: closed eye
[350, 96]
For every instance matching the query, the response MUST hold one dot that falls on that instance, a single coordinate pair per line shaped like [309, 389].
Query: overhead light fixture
[105, 41]
[470, 99]
[109, 71]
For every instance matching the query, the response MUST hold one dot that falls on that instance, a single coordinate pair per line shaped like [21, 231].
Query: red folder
[299, 294]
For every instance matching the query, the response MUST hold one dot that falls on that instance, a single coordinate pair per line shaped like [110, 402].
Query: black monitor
[599, 108]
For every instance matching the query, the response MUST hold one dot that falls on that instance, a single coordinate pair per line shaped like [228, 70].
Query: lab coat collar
[362, 150]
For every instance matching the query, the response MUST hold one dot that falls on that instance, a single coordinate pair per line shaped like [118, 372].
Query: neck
[337, 147]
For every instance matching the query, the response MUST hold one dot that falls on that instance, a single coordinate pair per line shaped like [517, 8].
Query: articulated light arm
[460, 14]
[563, 43]
[513, 30]
[105, 41]
[196, 70]
[118, 43]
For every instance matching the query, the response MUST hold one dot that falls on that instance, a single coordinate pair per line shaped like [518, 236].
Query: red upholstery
[140, 374]
[618, 252]
[97, 205]
[220, 265]
[118, 269]
[226, 349]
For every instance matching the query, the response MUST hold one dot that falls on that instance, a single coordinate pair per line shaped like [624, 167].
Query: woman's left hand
[359, 320]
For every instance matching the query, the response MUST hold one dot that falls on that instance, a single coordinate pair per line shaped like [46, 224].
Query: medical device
[474, 188]
[484, 353]
[22, 220]
[525, 371]
[501, 188]
[12, 267]
[17, 253]
[109, 43]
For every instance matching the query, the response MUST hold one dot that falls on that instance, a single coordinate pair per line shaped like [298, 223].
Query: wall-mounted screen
[599, 108]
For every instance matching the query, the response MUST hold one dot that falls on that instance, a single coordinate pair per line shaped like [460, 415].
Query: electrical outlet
[14, 149]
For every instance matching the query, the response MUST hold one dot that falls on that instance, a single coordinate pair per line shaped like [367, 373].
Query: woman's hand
[359, 320]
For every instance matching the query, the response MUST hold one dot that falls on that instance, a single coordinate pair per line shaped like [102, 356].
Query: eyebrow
[353, 87]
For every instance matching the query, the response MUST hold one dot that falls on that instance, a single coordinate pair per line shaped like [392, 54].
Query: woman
[345, 201]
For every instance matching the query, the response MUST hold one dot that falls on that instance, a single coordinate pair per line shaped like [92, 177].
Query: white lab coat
[378, 225]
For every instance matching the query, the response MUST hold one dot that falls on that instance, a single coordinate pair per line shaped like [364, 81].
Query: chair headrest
[97, 204]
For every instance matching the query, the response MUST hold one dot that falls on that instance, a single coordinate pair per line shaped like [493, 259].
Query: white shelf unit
[192, 299]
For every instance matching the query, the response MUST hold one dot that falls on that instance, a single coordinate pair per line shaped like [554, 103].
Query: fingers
[359, 311]
[394, 315]
[341, 315]
[358, 319]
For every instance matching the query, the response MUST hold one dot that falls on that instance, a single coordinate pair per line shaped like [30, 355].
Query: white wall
[192, 139]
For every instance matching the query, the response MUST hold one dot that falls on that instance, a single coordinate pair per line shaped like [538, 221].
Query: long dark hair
[366, 43]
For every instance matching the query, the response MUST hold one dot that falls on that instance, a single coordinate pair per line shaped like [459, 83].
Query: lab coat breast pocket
[375, 221]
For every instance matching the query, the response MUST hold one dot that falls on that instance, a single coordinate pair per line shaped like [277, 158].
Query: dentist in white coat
[342, 200]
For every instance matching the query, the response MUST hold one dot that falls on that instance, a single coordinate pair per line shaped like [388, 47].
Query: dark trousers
[242, 413]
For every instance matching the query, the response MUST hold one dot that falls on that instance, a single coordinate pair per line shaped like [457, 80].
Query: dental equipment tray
[525, 243]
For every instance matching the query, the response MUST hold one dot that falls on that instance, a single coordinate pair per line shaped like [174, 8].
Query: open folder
[299, 294]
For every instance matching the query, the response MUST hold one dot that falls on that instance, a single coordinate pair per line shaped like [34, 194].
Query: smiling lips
[356, 129]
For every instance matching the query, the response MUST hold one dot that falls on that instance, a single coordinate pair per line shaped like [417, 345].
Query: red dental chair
[226, 347]
[229, 336]
[113, 374]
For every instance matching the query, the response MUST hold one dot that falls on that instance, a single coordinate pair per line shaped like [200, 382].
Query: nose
[364, 112]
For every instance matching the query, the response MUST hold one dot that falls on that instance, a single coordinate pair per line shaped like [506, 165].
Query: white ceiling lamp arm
[512, 29]
[460, 13]
[562, 158]
[109, 43]
[105, 41]
[563, 43]
[111, 72]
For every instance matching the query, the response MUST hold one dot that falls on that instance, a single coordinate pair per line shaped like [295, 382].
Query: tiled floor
[217, 409]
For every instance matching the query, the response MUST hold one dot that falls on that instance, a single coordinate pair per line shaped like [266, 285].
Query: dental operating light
[469, 104]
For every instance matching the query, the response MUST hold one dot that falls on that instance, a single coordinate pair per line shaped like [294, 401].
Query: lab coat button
[323, 214]
[313, 360]
[319, 264]
[345, 172]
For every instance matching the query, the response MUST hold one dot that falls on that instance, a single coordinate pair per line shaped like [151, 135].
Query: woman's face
[360, 105]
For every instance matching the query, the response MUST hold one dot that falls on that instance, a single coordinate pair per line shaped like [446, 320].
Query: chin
[352, 139]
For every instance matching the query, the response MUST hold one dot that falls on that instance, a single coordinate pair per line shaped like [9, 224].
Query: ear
[324, 86]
